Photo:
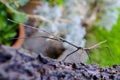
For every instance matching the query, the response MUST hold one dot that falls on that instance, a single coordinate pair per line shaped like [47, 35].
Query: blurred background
[81, 22]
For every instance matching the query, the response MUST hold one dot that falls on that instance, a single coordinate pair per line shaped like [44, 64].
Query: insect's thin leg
[110, 52]
[81, 51]
[98, 48]
[96, 45]
[88, 53]
[70, 54]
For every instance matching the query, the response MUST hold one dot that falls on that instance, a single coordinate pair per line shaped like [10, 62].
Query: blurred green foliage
[18, 2]
[8, 29]
[102, 56]
[55, 2]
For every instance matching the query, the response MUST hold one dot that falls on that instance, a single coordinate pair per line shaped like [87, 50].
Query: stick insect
[57, 38]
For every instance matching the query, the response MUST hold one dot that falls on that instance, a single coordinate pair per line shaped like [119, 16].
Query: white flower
[108, 19]
[72, 30]
[110, 15]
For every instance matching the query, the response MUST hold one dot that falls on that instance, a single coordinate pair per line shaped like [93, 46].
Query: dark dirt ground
[19, 64]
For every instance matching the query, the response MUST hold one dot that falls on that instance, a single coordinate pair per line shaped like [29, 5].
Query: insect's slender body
[56, 38]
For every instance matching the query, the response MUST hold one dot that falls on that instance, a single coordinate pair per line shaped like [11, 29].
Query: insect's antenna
[37, 37]
[23, 24]
[110, 52]
[58, 38]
